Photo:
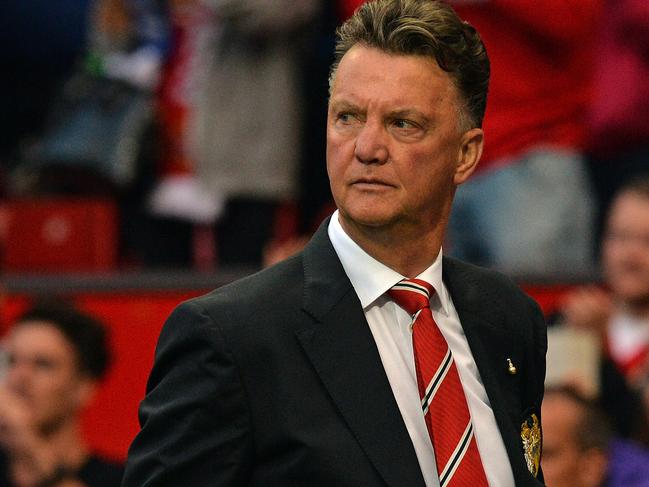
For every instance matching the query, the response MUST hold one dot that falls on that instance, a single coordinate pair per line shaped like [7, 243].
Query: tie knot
[412, 294]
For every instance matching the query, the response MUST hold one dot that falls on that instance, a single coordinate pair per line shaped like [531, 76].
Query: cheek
[52, 387]
[338, 161]
[612, 254]
[58, 400]
[432, 176]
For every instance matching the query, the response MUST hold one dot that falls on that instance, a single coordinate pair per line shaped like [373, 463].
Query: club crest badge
[531, 437]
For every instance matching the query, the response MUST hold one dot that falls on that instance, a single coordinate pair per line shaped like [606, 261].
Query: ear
[471, 145]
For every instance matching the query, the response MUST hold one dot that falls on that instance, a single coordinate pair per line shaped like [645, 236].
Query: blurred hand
[16, 430]
[588, 308]
[31, 458]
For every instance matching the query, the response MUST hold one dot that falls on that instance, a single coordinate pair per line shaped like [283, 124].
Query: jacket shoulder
[487, 283]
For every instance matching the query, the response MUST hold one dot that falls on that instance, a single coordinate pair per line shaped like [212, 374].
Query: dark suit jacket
[275, 380]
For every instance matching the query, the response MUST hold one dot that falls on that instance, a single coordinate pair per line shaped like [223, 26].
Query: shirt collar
[371, 278]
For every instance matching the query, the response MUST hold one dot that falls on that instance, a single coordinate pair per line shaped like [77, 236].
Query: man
[315, 372]
[579, 449]
[56, 357]
[534, 161]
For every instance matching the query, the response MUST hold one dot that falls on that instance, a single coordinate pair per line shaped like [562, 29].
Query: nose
[371, 144]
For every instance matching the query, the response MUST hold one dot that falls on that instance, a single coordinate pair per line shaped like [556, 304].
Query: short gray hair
[425, 28]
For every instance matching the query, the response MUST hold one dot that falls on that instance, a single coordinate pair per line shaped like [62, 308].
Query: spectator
[243, 131]
[56, 358]
[528, 210]
[579, 449]
[620, 314]
[40, 41]
[618, 123]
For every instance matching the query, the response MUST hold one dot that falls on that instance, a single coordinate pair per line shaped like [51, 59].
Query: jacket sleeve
[195, 424]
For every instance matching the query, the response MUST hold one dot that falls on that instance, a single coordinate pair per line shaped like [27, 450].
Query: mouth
[371, 183]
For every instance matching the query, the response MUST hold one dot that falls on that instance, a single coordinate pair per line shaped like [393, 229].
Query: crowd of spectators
[223, 144]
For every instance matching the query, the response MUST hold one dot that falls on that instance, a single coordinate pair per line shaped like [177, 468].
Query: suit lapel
[491, 344]
[342, 350]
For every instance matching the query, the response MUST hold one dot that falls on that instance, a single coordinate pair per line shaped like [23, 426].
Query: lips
[371, 182]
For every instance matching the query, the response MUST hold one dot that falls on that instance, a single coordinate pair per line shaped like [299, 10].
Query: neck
[407, 250]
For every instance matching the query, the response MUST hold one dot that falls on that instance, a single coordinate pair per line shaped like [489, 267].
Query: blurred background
[151, 150]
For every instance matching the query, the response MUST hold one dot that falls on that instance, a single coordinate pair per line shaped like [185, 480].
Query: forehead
[560, 414]
[630, 206]
[370, 75]
[39, 338]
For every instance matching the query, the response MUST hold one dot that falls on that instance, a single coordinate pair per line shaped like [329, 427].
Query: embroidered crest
[531, 437]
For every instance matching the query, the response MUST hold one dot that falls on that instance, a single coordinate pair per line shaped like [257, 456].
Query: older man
[368, 359]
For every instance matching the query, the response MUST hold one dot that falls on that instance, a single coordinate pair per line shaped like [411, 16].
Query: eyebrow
[343, 105]
[410, 113]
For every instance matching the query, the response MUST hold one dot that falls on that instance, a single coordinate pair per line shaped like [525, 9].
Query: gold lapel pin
[511, 368]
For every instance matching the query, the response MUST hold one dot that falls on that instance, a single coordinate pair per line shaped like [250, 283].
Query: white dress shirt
[390, 326]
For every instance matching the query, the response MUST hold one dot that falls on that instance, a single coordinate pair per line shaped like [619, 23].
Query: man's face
[625, 250]
[564, 463]
[44, 374]
[395, 150]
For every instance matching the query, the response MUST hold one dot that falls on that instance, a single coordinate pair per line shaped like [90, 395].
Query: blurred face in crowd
[625, 250]
[43, 372]
[564, 462]
[395, 147]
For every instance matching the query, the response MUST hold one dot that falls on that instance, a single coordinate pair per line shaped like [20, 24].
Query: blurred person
[575, 441]
[244, 116]
[619, 313]
[92, 133]
[618, 126]
[40, 42]
[579, 449]
[56, 357]
[216, 193]
[533, 175]
[369, 358]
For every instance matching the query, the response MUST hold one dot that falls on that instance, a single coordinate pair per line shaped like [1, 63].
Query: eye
[347, 118]
[405, 124]
[44, 363]
[406, 129]
[401, 123]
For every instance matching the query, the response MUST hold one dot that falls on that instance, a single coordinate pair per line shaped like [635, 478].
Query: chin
[369, 217]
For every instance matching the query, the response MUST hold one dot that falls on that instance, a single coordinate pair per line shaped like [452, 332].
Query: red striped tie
[443, 402]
